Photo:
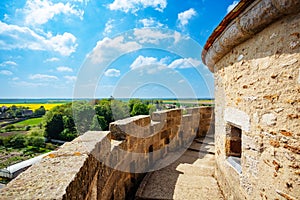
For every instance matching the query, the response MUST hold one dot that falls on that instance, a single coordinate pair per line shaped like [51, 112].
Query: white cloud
[141, 62]
[41, 11]
[42, 77]
[185, 16]
[27, 84]
[135, 5]
[64, 69]
[107, 49]
[82, 1]
[150, 22]
[6, 72]
[184, 63]
[153, 65]
[54, 59]
[150, 64]
[147, 35]
[17, 37]
[70, 78]
[181, 81]
[15, 78]
[5, 17]
[112, 73]
[231, 6]
[108, 27]
[64, 44]
[8, 63]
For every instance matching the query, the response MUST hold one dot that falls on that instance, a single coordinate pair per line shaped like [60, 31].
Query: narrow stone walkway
[190, 177]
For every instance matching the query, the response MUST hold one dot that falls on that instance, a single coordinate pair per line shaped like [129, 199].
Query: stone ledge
[96, 166]
[252, 20]
[57, 175]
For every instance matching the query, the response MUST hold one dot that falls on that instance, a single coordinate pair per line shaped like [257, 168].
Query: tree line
[20, 112]
[67, 121]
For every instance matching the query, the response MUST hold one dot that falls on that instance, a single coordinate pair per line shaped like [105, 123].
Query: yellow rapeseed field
[33, 106]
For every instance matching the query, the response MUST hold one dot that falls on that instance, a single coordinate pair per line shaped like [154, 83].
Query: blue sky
[99, 48]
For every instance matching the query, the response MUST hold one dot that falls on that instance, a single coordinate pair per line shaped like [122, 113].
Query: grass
[33, 106]
[10, 156]
[30, 122]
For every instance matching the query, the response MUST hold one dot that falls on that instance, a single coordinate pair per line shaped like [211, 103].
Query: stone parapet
[249, 22]
[109, 165]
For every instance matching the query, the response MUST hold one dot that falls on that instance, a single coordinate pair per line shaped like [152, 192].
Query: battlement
[111, 164]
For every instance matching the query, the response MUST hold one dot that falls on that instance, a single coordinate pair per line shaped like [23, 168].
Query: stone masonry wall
[258, 89]
[110, 165]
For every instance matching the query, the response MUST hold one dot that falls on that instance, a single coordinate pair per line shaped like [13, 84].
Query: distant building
[13, 171]
[27, 113]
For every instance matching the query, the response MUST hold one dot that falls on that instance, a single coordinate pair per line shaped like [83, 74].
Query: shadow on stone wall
[111, 165]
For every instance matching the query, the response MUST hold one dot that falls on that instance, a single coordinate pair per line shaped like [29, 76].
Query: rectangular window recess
[233, 144]
[235, 163]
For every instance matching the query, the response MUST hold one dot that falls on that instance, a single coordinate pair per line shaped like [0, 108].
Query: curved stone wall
[256, 62]
[247, 24]
[82, 169]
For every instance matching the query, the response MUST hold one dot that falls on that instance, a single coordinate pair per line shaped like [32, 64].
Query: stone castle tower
[255, 56]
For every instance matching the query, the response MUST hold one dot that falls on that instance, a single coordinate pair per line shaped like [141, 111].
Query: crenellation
[89, 166]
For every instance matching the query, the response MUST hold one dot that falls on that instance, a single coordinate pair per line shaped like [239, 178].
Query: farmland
[33, 106]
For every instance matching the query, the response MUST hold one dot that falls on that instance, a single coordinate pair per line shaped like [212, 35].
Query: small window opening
[167, 140]
[233, 146]
[150, 149]
[234, 141]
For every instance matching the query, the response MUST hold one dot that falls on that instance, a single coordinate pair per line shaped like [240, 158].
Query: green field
[30, 122]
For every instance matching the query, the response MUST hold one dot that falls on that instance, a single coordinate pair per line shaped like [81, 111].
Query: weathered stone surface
[269, 71]
[108, 165]
[238, 118]
[258, 16]
[269, 119]
[65, 174]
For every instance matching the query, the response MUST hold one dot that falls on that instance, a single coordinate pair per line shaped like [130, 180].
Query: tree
[40, 111]
[18, 112]
[36, 141]
[67, 136]
[151, 108]
[83, 114]
[99, 123]
[119, 109]
[103, 108]
[54, 126]
[132, 102]
[69, 132]
[9, 127]
[69, 124]
[139, 109]
[18, 141]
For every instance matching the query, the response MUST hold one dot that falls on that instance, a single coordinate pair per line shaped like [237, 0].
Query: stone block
[269, 119]
[237, 117]
[159, 116]
[253, 143]
[193, 111]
